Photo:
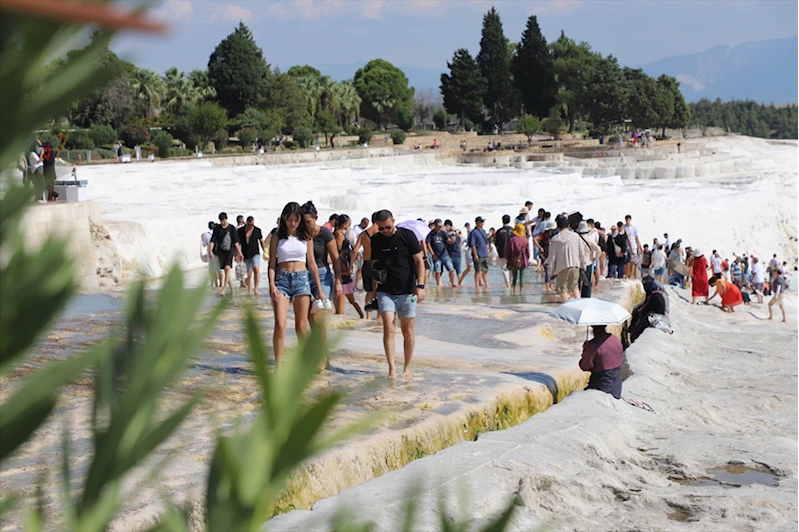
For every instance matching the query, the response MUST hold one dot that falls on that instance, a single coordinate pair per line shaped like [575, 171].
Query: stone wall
[300, 157]
[71, 221]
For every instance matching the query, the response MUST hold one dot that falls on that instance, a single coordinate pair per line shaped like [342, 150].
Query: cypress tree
[494, 62]
[237, 70]
[532, 71]
[463, 88]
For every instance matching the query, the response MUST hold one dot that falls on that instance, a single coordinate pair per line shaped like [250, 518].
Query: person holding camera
[398, 273]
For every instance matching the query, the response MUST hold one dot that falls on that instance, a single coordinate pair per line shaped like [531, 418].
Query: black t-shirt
[320, 242]
[395, 254]
[437, 240]
[250, 249]
[501, 240]
[219, 237]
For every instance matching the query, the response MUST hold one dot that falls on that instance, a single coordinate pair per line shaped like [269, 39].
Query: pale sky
[425, 33]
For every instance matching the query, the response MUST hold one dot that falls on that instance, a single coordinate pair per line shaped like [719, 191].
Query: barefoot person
[699, 286]
[397, 267]
[225, 241]
[778, 287]
[291, 257]
[730, 294]
[517, 254]
[250, 238]
[344, 239]
[365, 243]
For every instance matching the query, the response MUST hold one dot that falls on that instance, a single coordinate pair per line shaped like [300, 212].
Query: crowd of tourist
[319, 267]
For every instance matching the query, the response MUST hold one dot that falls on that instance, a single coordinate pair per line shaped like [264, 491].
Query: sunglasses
[385, 228]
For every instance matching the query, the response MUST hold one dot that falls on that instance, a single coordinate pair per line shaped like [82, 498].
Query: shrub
[133, 134]
[398, 137]
[404, 119]
[103, 135]
[528, 125]
[553, 125]
[365, 135]
[289, 144]
[440, 120]
[302, 136]
[181, 152]
[80, 140]
[220, 139]
[468, 125]
[613, 140]
[163, 141]
[246, 136]
[350, 129]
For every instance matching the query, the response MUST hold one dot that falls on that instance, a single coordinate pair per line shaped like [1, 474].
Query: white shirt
[632, 236]
[658, 259]
[593, 236]
[667, 244]
[207, 238]
[34, 161]
[716, 263]
[758, 273]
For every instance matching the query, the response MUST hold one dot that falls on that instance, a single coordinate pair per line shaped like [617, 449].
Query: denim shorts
[443, 264]
[253, 262]
[326, 277]
[660, 271]
[403, 305]
[293, 284]
[456, 263]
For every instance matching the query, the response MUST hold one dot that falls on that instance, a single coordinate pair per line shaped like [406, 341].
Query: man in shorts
[635, 247]
[437, 240]
[397, 269]
[250, 237]
[778, 287]
[225, 241]
[479, 248]
[567, 253]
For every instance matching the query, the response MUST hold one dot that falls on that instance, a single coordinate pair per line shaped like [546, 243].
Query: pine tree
[464, 87]
[571, 63]
[532, 71]
[494, 62]
[606, 101]
[237, 71]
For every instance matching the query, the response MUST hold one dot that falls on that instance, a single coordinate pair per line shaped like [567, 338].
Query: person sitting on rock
[603, 356]
[655, 305]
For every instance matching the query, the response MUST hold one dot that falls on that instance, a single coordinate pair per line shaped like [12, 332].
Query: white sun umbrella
[591, 311]
[419, 228]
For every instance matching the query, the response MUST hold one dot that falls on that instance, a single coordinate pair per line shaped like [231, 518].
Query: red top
[602, 353]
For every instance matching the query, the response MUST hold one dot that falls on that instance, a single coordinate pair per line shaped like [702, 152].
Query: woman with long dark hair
[291, 258]
[345, 241]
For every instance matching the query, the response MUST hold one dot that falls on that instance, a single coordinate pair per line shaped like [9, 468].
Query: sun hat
[549, 224]
[518, 230]
[582, 228]
[524, 210]
[698, 252]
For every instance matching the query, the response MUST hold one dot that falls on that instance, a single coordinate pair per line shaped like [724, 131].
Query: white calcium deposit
[156, 212]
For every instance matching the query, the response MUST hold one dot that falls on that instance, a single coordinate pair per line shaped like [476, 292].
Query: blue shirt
[438, 243]
[479, 238]
[454, 249]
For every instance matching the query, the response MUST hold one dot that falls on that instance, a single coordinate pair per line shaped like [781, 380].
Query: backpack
[225, 244]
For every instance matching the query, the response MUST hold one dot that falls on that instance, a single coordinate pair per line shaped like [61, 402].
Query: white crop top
[292, 250]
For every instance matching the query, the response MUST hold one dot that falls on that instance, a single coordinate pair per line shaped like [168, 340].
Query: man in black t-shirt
[250, 237]
[501, 239]
[225, 241]
[397, 268]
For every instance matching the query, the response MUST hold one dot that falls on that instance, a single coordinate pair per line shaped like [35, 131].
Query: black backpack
[501, 239]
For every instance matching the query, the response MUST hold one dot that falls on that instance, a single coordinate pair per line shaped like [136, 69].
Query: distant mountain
[420, 78]
[764, 71]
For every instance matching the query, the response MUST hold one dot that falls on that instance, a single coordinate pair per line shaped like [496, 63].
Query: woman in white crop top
[292, 268]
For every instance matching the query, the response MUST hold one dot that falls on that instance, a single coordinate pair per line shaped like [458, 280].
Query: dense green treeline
[531, 85]
[747, 118]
